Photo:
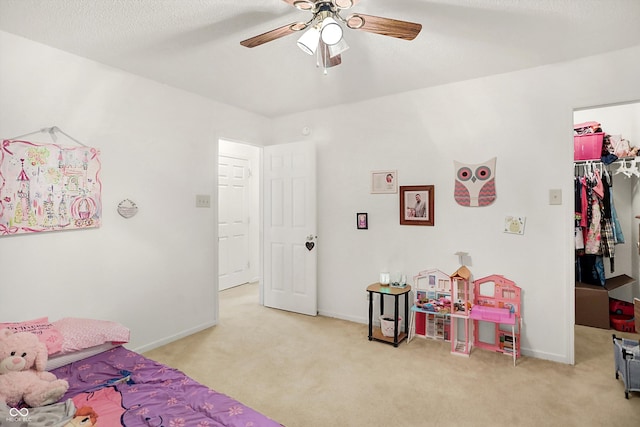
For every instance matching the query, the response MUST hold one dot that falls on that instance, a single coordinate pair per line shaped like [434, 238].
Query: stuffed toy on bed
[23, 358]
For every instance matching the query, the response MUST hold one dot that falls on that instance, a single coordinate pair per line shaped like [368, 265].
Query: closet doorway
[238, 214]
[619, 121]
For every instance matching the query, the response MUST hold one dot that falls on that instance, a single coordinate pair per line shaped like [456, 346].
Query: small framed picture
[514, 224]
[384, 182]
[362, 220]
[416, 205]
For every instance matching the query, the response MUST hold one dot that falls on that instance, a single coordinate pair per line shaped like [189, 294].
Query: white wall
[525, 120]
[156, 272]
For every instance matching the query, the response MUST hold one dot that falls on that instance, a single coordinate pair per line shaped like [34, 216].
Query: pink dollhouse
[432, 305]
[497, 303]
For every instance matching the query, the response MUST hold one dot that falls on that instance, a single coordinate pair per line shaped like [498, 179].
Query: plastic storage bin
[588, 146]
[387, 325]
[620, 307]
[622, 323]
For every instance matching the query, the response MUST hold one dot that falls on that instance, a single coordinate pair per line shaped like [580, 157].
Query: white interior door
[289, 218]
[233, 221]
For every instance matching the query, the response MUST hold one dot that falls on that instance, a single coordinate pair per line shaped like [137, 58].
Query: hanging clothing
[617, 229]
[606, 228]
[590, 270]
[610, 212]
[592, 243]
[598, 186]
[607, 241]
[597, 228]
[606, 196]
[579, 238]
[586, 205]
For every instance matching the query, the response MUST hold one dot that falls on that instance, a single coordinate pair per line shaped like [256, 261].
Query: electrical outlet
[203, 201]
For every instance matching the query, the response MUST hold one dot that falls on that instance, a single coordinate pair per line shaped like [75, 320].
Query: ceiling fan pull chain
[325, 57]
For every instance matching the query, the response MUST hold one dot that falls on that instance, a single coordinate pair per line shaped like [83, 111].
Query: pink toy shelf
[492, 314]
[497, 301]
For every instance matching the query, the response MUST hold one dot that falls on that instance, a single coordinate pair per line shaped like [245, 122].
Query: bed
[110, 385]
[121, 387]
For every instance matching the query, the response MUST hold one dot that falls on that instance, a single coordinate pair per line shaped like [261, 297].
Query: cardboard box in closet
[592, 302]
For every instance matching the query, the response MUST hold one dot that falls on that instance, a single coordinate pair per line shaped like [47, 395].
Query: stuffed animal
[23, 358]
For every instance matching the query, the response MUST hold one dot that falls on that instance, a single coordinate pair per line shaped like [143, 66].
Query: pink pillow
[41, 327]
[79, 334]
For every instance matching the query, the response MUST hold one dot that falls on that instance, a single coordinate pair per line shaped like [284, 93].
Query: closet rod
[598, 161]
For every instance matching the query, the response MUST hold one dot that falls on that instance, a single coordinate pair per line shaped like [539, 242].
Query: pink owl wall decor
[475, 184]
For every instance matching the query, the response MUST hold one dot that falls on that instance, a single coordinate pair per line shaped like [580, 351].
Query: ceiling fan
[324, 33]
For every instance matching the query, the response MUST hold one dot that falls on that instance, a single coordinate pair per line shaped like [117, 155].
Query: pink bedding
[122, 388]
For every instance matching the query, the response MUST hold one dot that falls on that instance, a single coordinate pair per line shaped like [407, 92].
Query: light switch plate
[555, 197]
[203, 201]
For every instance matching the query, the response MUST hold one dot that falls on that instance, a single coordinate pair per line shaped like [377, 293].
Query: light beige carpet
[316, 371]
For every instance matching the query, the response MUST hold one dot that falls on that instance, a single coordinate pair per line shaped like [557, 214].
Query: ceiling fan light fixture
[355, 21]
[343, 4]
[309, 40]
[324, 32]
[331, 31]
[298, 26]
[303, 4]
[338, 48]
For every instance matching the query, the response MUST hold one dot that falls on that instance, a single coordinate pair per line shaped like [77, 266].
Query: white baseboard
[175, 337]
[356, 319]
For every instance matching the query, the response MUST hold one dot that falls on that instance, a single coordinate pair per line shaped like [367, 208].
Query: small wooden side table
[382, 290]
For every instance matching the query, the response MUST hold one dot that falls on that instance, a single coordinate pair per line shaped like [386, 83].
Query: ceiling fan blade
[384, 26]
[273, 34]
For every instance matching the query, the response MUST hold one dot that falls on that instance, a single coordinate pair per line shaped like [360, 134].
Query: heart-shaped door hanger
[309, 244]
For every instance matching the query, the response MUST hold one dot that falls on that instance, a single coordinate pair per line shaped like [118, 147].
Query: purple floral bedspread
[121, 387]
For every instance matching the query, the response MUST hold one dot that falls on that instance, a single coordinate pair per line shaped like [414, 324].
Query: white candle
[384, 278]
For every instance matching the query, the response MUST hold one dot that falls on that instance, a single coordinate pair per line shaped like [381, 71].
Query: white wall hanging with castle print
[48, 187]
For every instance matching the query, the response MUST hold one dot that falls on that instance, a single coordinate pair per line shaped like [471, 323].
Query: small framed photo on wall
[416, 205]
[362, 220]
[384, 182]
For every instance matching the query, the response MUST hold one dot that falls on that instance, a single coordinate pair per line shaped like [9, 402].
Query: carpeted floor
[318, 372]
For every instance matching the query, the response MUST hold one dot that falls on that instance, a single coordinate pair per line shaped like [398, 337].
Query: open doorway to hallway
[238, 214]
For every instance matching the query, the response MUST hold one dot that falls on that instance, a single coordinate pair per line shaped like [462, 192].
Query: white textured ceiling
[195, 44]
